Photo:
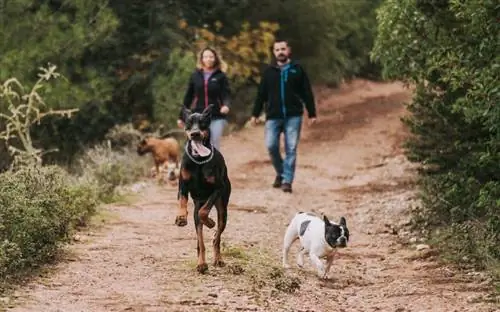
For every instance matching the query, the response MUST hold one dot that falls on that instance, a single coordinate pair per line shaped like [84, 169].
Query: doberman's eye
[204, 123]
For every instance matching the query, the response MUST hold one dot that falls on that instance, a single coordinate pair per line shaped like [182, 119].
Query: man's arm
[261, 96]
[307, 95]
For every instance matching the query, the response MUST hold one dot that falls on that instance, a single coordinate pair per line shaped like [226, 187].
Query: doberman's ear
[186, 112]
[208, 110]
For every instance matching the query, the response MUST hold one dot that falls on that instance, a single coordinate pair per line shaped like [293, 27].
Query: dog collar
[199, 162]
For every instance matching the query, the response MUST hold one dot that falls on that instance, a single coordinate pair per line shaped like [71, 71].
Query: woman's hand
[180, 124]
[224, 109]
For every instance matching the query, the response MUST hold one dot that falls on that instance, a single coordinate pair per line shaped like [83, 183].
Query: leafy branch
[25, 110]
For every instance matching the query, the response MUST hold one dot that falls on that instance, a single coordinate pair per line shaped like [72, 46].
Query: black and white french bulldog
[318, 237]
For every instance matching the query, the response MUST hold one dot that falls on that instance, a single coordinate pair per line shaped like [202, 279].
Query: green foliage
[71, 35]
[126, 62]
[333, 38]
[42, 205]
[63, 32]
[40, 208]
[110, 168]
[449, 51]
[24, 110]
[169, 86]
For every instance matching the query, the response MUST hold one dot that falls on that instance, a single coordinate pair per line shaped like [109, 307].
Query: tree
[449, 51]
[61, 32]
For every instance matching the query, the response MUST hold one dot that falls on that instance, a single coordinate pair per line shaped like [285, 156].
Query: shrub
[110, 168]
[40, 208]
[449, 51]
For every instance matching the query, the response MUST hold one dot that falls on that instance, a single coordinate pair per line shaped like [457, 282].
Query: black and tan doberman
[203, 176]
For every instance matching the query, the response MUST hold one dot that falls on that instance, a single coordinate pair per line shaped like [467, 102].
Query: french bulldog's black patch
[303, 227]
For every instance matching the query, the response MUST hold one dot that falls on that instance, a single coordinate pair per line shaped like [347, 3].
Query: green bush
[110, 168]
[40, 208]
[449, 51]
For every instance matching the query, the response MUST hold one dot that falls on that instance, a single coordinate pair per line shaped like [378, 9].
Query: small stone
[413, 240]
[421, 247]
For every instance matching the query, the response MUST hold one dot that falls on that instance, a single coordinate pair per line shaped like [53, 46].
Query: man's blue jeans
[291, 127]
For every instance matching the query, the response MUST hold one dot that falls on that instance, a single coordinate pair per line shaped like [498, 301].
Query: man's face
[281, 51]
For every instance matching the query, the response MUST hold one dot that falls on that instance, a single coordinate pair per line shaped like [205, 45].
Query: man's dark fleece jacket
[284, 90]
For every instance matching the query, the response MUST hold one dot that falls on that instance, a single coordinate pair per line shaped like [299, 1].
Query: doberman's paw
[219, 263]
[202, 268]
[209, 223]
[181, 220]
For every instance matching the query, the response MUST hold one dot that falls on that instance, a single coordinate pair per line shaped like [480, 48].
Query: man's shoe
[277, 182]
[286, 187]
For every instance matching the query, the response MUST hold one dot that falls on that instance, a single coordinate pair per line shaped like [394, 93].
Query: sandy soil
[349, 165]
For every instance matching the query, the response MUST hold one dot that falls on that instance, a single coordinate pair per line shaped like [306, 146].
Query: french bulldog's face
[336, 235]
[197, 125]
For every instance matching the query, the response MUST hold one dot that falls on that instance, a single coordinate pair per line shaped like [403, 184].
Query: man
[284, 87]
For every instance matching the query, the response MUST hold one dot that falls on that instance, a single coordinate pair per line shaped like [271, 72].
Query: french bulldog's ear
[343, 222]
[208, 110]
[325, 218]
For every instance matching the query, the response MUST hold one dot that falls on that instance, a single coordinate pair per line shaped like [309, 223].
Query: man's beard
[282, 58]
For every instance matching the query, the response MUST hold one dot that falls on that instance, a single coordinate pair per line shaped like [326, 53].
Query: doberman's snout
[196, 134]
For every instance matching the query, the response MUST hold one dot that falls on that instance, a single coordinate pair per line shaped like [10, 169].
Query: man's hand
[180, 124]
[312, 121]
[224, 109]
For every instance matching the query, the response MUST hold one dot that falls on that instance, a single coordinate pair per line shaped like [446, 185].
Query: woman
[208, 85]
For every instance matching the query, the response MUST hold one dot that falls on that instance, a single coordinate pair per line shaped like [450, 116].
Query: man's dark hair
[278, 39]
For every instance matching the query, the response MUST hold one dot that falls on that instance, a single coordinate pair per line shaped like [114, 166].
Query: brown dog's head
[144, 147]
[197, 126]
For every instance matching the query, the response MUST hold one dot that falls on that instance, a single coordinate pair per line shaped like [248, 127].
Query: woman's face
[208, 59]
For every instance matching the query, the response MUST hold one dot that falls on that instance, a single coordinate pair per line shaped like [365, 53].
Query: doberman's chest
[200, 176]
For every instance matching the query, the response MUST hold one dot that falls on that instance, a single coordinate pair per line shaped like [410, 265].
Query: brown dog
[166, 153]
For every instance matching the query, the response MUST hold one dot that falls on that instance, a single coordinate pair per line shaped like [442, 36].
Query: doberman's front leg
[221, 225]
[205, 210]
[201, 266]
[181, 219]
[216, 193]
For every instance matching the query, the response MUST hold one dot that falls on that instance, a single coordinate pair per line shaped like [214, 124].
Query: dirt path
[349, 165]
